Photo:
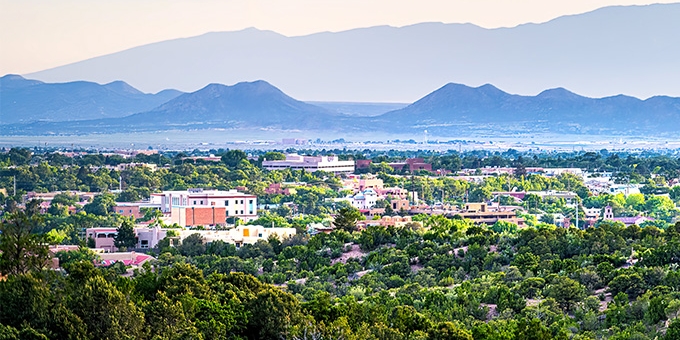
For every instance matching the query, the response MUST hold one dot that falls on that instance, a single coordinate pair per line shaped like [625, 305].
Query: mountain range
[629, 49]
[24, 101]
[450, 111]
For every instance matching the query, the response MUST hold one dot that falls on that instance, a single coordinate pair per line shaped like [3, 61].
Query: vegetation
[451, 279]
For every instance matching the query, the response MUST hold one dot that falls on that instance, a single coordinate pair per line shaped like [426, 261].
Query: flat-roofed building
[311, 164]
[196, 207]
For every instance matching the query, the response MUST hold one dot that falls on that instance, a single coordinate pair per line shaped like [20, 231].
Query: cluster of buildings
[367, 190]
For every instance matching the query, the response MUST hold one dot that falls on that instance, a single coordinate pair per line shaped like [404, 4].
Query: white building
[311, 164]
[364, 200]
[234, 204]
[243, 234]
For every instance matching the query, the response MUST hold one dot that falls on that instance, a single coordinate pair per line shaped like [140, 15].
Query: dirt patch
[533, 302]
[355, 252]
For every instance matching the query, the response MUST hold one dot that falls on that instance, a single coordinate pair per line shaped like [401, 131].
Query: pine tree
[126, 236]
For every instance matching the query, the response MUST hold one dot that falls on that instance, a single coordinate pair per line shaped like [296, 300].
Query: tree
[21, 248]
[449, 331]
[101, 205]
[233, 157]
[82, 254]
[273, 156]
[106, 311]
[631, 284]
[125, 238]
[565, 291]
[347, 219]
[192, 245]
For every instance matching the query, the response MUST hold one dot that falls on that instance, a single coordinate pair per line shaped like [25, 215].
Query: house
[103, 238]
[628, 221]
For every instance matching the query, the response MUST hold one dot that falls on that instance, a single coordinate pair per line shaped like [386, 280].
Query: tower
[608, 212]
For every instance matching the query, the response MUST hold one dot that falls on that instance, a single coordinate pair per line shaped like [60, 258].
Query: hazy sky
[40, 34]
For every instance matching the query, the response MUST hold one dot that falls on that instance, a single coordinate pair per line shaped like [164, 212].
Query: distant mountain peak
[122, 87]
[16, 81]
[558, 92]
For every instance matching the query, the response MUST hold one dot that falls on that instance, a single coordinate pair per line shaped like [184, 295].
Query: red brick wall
[129, 211]
[205, 216]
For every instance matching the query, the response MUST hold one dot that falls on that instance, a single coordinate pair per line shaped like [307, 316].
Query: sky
[41, 34]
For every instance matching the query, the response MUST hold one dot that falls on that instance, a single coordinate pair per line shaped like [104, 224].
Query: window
[259, 235]
[226, 203]
[120, 211]
[250, 202]
[145, 244]
[194, 202]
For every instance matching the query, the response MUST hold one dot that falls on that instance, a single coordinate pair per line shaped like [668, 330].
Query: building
[280, 189]
[412, 164]
[400, 204]
[127, 258]
[148, 238]
[311, 163]
[133, 209]
[364, 200]
[628, 221]
[592, 213]
[363, 163]
[489, 215]
[198, 207]
[103, 238]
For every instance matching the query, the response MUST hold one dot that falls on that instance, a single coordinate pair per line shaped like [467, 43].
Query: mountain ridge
[386, 64]
[25, 100]
[451, 110]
